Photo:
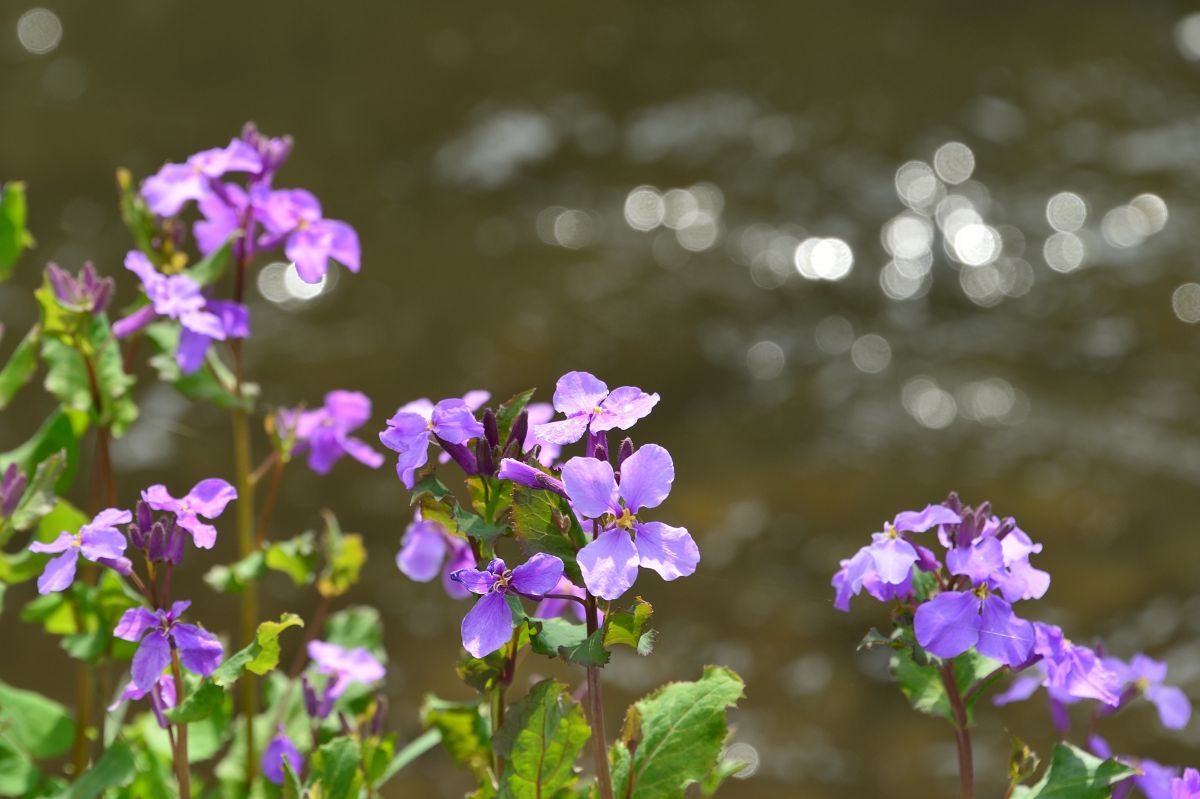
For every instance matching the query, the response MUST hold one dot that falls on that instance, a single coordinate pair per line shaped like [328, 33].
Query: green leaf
[631, 628]
[509, 410]
[437, 502]
[199, 704]
[18, 774]
[345, 555]
[208, 270]
[540, 739]
[57, 434]
[335, 768]
[261, 655]
[355, 626]
[67, 378]
[538, 520]
[673, 737]
[14, 238]
[37, 725]
[234, 578]
[464, 732]
[475, 526]
[724, 769]
[114, 769]
[38, 499]
[211, 383]
[417, 747]
[1076, 774]
[142, 225]
[21, 367]
[296, 557]
[589, 652]
[548, 635]
[291, 788]
[922, 683]
[481, 673]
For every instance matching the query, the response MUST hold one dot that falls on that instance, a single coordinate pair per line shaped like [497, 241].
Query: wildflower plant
[953, 577]
[169, 702]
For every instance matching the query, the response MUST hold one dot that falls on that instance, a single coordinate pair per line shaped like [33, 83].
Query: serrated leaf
[21, 367]
[472, 525]
[589, 652]
[261, 655]
[335, 768]
[14, 238]
[67, 377]
[547, 636]
[533, 517]
[724, 769]
[345, 555]
[540, 740]
[1075, 774]
[631, 628]
[509, 410]
[679, 731]
[199, 704]
[355, 626]
[36, 724]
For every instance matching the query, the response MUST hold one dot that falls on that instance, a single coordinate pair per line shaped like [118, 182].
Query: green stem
[246, 546]
[596, 710]
[182, 764]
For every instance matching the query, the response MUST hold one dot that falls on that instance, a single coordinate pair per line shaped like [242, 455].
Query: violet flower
[174, 185]
[589, 405]
[1145, 676]
[310, 239]
[539, 414]
[278, 750]
[1068, 671]
[428, 549]
[955, 621]
[345, 667]
[162, 697]
[98, 540]
[610, 562]
[199, 650]
[412, 427]
[179, 297]
[1187, 786]
[489, 624]
[207, 498]
[88, 293]
[325, 432]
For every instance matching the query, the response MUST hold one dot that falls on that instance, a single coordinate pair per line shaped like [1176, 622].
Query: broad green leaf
[436, 502]
[674, 736]
[335, 768]
[631, 628]
[540, 739]
[38, 499]
[234, 578]
[472, 525]
[57, 434]
[464, 732]
[296, 557]
[541, 522]
[548, 635]
[18, 774]
[261, 655]
[922, 684]
[114, 769]
[490, 497]
[21, 367]
[409, 753]
[39, 726]
[1075, 774]
[14, 238]
[208, 270]
[589, 652]
[481, 673]
[54, 611]
[67, 376]
[377, 753]
[198, 705]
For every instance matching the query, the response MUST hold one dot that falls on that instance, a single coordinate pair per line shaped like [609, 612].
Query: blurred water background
[867, 252]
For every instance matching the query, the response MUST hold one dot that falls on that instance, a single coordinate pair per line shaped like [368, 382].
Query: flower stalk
[962, 735]
[596, 710]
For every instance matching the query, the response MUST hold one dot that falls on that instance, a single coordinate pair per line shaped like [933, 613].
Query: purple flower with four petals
[590, 407]
[175, 185]
[98, 541]
[427, 549]
[311, 240]
[489, 624]
[410, 430]
[344, 666]
[325, 433]
[1145, 676]
[207, 498]
[610, 563]
[199, 650]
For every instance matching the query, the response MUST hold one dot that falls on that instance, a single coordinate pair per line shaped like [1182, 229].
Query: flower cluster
[324, 433]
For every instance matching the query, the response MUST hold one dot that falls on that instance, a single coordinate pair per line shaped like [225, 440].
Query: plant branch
[596, 710]
[962, 736]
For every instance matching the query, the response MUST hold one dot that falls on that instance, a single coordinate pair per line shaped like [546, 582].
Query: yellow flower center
[625, 520]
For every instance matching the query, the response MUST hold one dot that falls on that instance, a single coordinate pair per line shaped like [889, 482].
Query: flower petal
[60, 544]
[562, 432]
[488, 625]
[280, 749]
[537, 575]
[578, 392]
[911, 521]
[454, 421]
[646, 477]
[609, 564]
[203, 535]
[208, 498]
[422, 551]
[150, 659]
[1174, 708]
[59, 573]
[670, 551]
[591, 486]
[134, 623]
[1002, 635]
[948, 624]
[192, 348]
[475, 580]
[199, 650]
[624, 407]
[102, 543]
[894, 558]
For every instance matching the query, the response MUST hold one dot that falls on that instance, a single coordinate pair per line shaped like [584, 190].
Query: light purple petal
[362, 452]
[158, 498]
[1002, 635]
[624, 407]
[1021, 689]
[59, 573]
[175, 184]
[1174, 708]
[203, 323]
[234, 316]
[476, 398]
[592, 486]
[137, 320]
[670, 551]
[278, 750]
[454, 421]
[109, 518]
[191, 351]
[562, 432]
[948, 624]
[980, 561]
[343, 244]
[308, 249]
[208, 498]
[150, 659]
[422, 551]
[578, 392]
[350, 409]
[102, 543]
[1022, 581]
[1146, 668]
[894, 558]
[203, 535]
[134, 623]
[199, 650]
[919, 521]
[646, 477]
[609, 564]
[537, 575]
[64, 542]
[487, 626]
[475, 580]
[461, 557]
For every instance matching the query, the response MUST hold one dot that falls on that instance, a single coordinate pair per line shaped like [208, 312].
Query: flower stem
[962, 735]
[264, 517]
[182, 766]
[596, 710]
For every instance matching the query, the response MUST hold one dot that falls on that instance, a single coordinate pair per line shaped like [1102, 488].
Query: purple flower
[345, 666]
[179, 297]
[12, 488]
[175, 184]
[409, 432]
[489, 624]
[1145, 676]
[279, 749]
[427, 549]
[530, 476]
[539, 414]
[610, 562]
[955, 621]
[199, 650]
[162, 698]
[590, 406]
[1187, 786]
[207, 498]
[325, 432]
[89, 293]
[1068, 671]
[311, 240]
[97, 540]
[553, 607]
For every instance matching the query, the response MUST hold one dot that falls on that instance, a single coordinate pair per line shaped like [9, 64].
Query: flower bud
[173, 550]
[136, 537]
[145, 517]
[122, 566]
[156, 543]
[516, 435]
[461, 455]
[483, 457]
[311, 705]
[491, 431]
[379, 718]
[624, 451]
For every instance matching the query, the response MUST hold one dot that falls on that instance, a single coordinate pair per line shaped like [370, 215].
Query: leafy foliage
[540, 740]
[261, 655]
[542, 522]
[14, 238]
[1075, 774]
[464, 732]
